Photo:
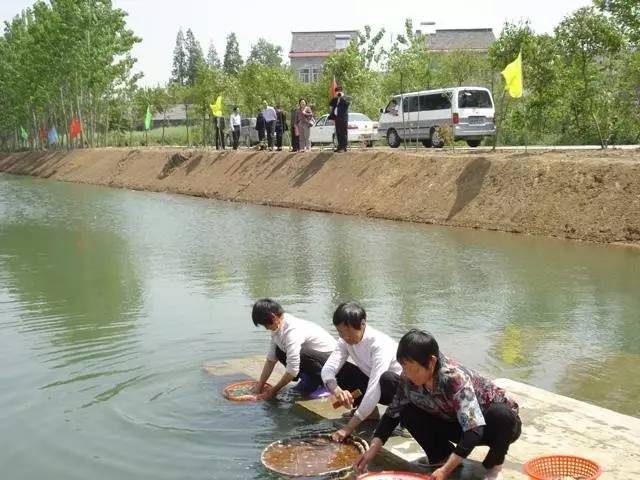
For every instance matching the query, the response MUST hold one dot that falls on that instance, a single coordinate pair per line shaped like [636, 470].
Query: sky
[157, 21]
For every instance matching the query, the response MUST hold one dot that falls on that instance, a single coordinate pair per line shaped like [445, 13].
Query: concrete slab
[551, 424]
[248, 366]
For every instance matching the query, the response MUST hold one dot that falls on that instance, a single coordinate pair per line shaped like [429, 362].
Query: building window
[305, 75]
[315, 76]
[342, 41]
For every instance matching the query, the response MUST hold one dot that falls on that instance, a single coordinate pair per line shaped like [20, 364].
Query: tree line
[71, 59]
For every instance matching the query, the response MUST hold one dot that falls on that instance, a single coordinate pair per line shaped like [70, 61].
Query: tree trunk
[186, 112]
[204, 126]
[164, 123]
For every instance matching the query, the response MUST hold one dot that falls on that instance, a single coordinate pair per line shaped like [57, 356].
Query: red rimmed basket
[562, 467]
[230, 392]
[391, 475]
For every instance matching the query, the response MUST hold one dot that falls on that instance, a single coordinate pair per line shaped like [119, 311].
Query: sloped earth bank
[584, 195]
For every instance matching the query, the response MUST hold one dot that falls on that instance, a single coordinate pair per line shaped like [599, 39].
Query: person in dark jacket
[339, 113]
[281, 126]
[295, 137]
[261, 127]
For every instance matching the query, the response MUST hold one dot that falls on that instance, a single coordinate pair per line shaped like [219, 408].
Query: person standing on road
[269, 114]
[218, 126]
[339, 113]
[281, 126]
[304, 119]
[234, 124]
[260, 127]
[295, 136]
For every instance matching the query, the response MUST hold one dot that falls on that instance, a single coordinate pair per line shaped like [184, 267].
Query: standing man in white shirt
[301, 346]
[269, 114]
[234, 123]
[373, 353]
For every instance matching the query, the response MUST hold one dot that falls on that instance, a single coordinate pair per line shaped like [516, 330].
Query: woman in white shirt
[376, 372]
[301, 346]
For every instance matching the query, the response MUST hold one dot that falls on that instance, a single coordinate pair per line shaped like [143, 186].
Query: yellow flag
[513, 77]
[216, 108]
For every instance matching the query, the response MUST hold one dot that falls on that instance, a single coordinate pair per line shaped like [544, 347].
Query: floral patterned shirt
[460, 394]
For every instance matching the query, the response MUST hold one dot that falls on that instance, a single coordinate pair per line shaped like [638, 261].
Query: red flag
[334, 86]
[74, 128]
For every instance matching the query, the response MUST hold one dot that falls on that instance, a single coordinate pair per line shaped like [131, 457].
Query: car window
[358, 117]
[320, 122]
[330, 123]
[474, 99]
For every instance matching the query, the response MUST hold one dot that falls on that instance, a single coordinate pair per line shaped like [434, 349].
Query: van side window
[434, 101]
[426, 103]
[411, 104]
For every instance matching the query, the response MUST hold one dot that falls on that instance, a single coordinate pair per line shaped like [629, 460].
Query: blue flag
[52, 136]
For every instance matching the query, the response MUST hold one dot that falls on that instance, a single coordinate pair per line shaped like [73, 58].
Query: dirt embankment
[593, 196]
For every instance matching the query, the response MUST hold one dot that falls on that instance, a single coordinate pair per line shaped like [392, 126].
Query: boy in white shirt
[376, 372]
[301, 346]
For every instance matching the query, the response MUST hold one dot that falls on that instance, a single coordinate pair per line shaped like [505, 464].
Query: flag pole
[404, 132]
[526, 127]
[499, 122]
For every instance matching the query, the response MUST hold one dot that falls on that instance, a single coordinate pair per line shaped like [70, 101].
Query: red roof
[325, 53]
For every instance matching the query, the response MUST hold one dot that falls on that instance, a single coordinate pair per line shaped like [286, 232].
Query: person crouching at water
[439, 401]
[375, 373]
[301, 346]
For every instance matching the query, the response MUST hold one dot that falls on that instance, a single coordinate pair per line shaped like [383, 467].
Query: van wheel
[393, 139]
[426, 142]
[436, 139]
[474, 143]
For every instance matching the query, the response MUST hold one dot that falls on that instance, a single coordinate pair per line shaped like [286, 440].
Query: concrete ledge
[552, 424]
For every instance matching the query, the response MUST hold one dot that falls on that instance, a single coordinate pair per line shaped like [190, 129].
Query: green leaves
[232, 58]
[265, 53]
[63, 59]
[626, 14]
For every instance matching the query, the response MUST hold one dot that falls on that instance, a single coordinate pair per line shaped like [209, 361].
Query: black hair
[264, 311]
[350, 314]
[418, 346]
[305, 100]
[339, 88]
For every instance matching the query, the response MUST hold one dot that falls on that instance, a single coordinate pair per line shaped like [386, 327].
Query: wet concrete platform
[552, 424]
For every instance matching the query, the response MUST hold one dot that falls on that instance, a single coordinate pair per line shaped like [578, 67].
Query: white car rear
[359, 129]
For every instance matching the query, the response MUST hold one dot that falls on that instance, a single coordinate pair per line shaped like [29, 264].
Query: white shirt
[295, 333]
[234, 120]
[374, 355]
[269, 114]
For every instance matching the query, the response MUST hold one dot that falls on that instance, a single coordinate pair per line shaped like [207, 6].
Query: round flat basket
[242, 391]
[390, 475]
[312, 455]
[562, 467]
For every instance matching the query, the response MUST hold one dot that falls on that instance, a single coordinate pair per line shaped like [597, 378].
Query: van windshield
[474, 99]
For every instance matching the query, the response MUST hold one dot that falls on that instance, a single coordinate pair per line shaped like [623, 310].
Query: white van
[420, 116]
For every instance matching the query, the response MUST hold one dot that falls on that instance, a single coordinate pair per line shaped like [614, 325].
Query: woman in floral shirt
[441, 402]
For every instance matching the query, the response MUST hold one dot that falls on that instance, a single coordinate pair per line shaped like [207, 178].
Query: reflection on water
[110, 301]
